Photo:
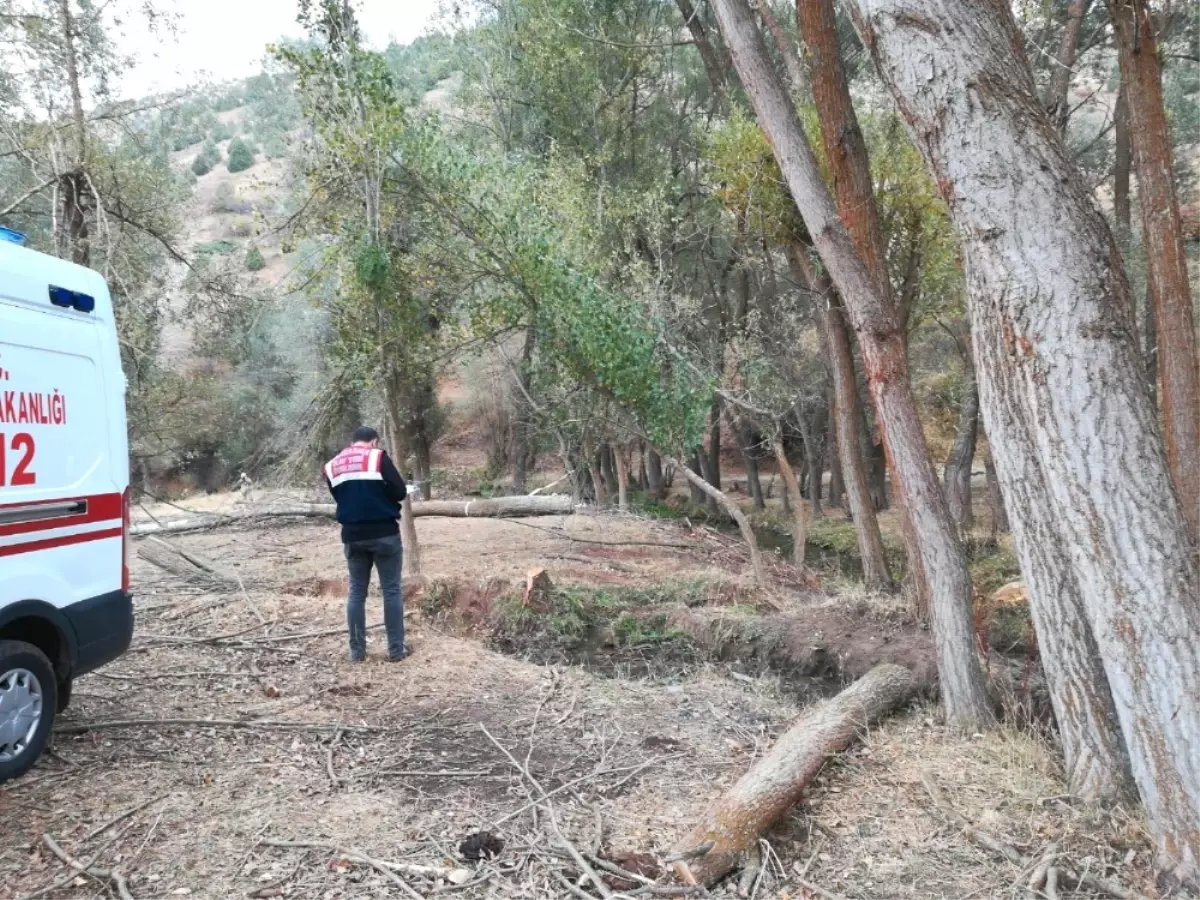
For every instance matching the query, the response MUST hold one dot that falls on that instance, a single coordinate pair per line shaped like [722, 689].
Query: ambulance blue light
[13, 237]
[83, 302]
[61, 297]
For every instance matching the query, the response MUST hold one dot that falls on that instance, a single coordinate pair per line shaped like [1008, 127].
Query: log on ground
[497, 507]
[774, 784]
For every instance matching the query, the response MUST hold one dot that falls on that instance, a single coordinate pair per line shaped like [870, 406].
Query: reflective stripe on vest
[357, 462]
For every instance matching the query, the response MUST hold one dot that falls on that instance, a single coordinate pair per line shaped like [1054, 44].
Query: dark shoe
[408, 651]
[357, 659]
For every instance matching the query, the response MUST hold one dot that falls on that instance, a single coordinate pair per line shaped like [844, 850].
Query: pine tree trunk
[846, 153]
[776, 781]
[876, 574]
[885, 360]
[1111, 567]
[1057, 101]
[1162, 237]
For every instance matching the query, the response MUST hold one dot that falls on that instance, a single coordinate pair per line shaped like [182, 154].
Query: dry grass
[413, 772]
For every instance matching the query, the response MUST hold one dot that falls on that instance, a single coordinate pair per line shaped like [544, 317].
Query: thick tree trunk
[773, 784]
[1162, 237]
[1111, 567]
[956, 477]
[743, 524]
[795, 498]
[885, 359]
[847, 417]
[408, 534]
[1057, 100]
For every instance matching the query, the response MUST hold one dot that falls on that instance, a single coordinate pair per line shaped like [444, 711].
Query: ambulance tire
[16, 655]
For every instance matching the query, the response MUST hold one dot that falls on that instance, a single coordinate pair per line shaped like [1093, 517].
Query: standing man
[369, 490]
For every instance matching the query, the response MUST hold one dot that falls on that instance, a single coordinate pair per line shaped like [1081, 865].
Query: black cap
[364, 434]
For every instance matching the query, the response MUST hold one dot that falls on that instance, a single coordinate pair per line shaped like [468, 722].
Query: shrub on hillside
[254, 259]
[206, 159]
[241, 157]
[221, 132]
[226, 200]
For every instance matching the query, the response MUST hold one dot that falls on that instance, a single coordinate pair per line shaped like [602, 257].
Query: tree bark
[743, 524]
[854, 192]
[795, 498]
[847, 416]
[837, 487]
[622, 479]
[885, 359]
[956, 477]
[520, 438]
[1162, 237]
[753, 479]
[785, 45]
[1122, 167]
[773, 784]
[1057, 100]
[814, 455]
[999, 516]
[654, 476]
[1109, 561]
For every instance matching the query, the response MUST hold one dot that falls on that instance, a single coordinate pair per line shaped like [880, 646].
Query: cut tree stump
[773, 785]
[552, 505]
[539, 591]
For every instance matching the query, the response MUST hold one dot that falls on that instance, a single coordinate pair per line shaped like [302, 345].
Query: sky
[219, 40]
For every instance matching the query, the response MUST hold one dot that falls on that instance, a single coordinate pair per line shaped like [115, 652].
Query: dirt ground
[237, 726]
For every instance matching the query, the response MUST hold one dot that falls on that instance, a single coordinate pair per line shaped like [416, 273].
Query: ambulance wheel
[28, 703]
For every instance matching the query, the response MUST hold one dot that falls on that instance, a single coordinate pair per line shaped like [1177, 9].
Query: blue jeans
[386, 555]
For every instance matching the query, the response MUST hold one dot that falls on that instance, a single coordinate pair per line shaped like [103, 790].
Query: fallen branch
[384, 868]
[1016, 857]
[775, 782]
[583, 864]
[115, 877]
[216, 723]
[407, 868]
[552, 505]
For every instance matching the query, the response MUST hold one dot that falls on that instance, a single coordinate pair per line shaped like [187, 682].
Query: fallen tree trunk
[773, 784]
[553, 505]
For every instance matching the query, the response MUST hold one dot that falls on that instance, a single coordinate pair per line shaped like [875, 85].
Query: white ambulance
[65, 606]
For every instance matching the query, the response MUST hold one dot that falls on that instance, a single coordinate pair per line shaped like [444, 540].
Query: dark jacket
[368, 502]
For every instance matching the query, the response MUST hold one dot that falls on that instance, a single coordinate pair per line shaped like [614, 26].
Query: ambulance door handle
[35, 513]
